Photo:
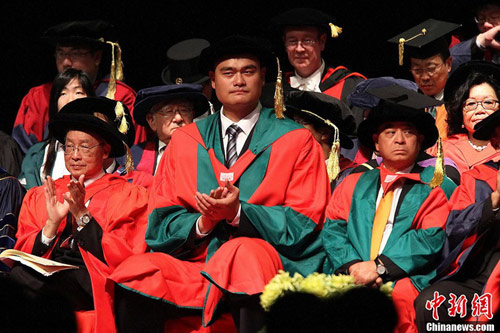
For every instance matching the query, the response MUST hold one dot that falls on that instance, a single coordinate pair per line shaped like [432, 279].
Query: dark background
[146, 29]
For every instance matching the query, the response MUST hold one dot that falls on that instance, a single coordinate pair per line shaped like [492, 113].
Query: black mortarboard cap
[92, 33]
[425, 40]
[400, 104]
[233, 46]
[183, 62]
[300, 17]
[319, 108]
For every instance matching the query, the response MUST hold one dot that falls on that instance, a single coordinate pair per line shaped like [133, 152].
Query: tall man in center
[237, 196]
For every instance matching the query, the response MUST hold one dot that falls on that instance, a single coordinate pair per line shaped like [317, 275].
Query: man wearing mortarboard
[387, 223]
[237, 196]
[81, 45]
[304, 33]
[425, 49]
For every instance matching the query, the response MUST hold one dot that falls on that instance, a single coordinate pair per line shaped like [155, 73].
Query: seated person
[471, 94]
[237, 196]
[386, 224]
[370, 159]
[81, 219]
[80, 45]
[330, 121]
[429, 61]
[164, 109]
[11, 155]
[484, 46]
[470, 268]
[46, 158]
[304, 32]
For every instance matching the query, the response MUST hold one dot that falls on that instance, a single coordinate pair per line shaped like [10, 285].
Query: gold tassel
[120, 114]
[129, 164]
[439, 170]
[401, 45]
[116, 71]
[335, 30]
[333, 167]
[401, 49]
[279, 107]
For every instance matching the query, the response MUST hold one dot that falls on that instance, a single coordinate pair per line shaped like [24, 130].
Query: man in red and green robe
[281, 186]
[414, 235]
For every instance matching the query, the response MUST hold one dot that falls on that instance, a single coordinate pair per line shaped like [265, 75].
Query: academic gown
[283, 191]
[339, 82]
[457, 148]
[417, 235]
[31, 124]
[121, 228]
[470, 225]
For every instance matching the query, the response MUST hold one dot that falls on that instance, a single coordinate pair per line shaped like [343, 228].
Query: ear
[212, 78]
[448, 63]
[263, 75]
[150, 118]
[106, 150]
[97, 57]
[375, 140]
[322, 41]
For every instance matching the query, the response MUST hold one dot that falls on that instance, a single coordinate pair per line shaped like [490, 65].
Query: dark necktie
[231, 155]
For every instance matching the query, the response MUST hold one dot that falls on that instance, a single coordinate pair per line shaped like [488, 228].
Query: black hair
[60, 81]
[454, 106]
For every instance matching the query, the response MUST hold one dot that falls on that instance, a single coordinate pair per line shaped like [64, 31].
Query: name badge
[226, 176]
[389, 178]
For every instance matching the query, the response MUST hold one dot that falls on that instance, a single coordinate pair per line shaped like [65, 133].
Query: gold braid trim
[129, 164]
[439, 169]
[116, 72]
[401, 45]
[332, 166]
[279, 107]
[335, 30]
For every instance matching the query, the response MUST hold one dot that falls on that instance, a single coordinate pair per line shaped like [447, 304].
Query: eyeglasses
[487, 104]
[72, 55]
[490, 19]
[431, 70]
[305, 42]
[84, 150]
[170, 114]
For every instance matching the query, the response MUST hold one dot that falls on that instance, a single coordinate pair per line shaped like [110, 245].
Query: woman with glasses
[471, 94]
[46, 158]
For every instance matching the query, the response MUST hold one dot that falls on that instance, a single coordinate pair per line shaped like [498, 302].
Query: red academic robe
[457, 148]
[283, 191]
[470, 221]
[123, 227]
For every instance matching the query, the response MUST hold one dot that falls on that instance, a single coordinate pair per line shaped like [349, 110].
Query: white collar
[87, 182]
[298, 81]
[246, 123]
[161, 146]
[439, 96]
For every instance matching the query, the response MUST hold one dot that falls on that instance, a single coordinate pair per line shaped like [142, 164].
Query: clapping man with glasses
[79, 45]
[486, 45]
[91, 219]
[164, 109]
[304, 33]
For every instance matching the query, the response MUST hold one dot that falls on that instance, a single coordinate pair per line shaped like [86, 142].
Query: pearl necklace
[478, 148]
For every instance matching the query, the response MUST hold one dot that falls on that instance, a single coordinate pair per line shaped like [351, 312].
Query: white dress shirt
[161, 149]
[310, 83]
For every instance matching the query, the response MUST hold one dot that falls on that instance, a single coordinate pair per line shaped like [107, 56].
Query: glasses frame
[426, 70]
[490, 19]
[495, 107]
[83, 150]
[72, 55]
[183, 113]
[305, 43]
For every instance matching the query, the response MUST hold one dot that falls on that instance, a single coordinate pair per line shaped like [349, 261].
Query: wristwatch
[381, 270]
[83, 220]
